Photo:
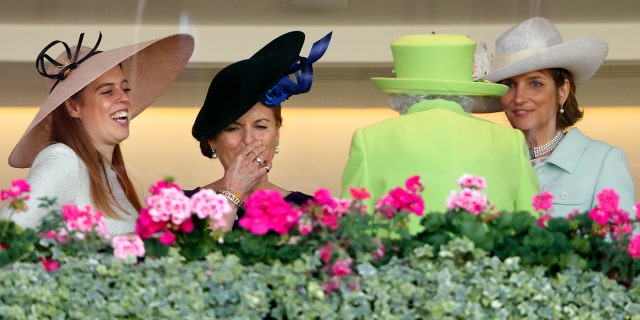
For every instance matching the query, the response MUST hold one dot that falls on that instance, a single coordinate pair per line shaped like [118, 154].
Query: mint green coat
[440, 142]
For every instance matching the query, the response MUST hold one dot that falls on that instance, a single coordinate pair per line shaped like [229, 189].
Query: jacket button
[564, 195]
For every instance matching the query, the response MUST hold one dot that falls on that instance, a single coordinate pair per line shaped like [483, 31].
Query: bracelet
[233, 197]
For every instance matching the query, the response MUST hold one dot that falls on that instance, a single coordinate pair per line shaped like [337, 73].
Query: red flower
[49, 264]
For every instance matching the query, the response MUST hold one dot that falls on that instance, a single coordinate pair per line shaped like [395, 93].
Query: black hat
[263, 77]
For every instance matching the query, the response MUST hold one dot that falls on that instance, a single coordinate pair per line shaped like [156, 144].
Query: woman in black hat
[239, 122]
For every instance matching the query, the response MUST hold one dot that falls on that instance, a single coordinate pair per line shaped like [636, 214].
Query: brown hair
[67, 130]
[205, 148]
[572, 112]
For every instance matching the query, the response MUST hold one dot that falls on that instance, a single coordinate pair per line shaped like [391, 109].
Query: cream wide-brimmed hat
[149, 66]
[439, 64]
[536, 44]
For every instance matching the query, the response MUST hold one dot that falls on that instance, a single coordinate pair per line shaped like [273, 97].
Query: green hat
[436, 64]
[263, 77]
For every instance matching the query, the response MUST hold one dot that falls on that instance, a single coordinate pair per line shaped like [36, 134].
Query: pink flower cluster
[400, 199]
[169, 211]
[14, 195]
[267, 210]
[470, 198]
[543, 202]
[337, 267]
[125, 246]
[79, 223]
[84, 220]
[634, 247]
[331, 209]
[608, 216]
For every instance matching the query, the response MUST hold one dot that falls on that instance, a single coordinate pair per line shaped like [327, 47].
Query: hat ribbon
[69, 65]
[303, 71]
[502, 59]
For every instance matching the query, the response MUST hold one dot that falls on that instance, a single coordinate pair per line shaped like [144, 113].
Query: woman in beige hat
[72, 144]
[541, 71]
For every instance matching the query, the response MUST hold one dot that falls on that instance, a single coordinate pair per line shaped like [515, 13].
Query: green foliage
[16, 243]
[461, 281]
[562, 244]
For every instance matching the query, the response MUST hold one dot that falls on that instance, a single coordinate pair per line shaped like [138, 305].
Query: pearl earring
[214, 155]
[277, 147]
[562, 108]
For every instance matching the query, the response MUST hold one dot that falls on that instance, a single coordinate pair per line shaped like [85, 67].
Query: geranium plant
[16, 243]
[599, 240]
[341, 231]
[173, 219]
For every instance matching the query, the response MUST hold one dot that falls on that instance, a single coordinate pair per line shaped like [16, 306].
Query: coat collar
[567, 154]
[436, 103]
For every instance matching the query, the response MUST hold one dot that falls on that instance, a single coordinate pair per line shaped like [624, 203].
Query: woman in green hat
[437, 138]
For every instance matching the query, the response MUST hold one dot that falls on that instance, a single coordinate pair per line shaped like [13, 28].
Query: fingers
[254, 150]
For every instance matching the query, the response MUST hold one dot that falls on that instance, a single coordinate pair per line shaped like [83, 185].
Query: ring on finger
[259, 160]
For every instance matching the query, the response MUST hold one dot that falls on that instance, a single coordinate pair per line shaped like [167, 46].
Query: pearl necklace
[548, 147]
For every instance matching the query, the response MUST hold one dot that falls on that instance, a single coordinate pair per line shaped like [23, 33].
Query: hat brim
[487, 90]
[149, 66]
[582, 57]
[239, 86]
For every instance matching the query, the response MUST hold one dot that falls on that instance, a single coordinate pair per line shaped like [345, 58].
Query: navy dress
[295, 197]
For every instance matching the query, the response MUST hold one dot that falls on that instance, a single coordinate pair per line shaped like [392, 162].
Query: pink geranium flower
[266, 210]
[126, 246]
[84, 220]
[169, 204]
[608, 200]
[634, 246]
[49, 264]
[470, 200]
[14, 195]
[326, 252]
[543, 219]
[543, 201]
[359, 193]
[399, 199]
[342, 267]
[206, 204]
[472, 182]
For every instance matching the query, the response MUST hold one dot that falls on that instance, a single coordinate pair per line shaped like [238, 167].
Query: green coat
[439, 142]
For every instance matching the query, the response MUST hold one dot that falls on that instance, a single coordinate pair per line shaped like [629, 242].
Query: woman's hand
[244, 171]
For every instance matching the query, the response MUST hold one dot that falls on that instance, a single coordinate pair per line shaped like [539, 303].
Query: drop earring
[562, 108]
[277, 147]
[214, 155]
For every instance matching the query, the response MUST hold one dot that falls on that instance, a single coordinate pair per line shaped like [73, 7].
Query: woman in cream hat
[72, 144]
[541, 71]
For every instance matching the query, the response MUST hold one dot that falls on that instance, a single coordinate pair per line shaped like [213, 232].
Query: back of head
[438, 65]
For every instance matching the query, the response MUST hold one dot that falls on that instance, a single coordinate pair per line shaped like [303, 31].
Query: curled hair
[402, 102]
[205, 148]
[572, 112]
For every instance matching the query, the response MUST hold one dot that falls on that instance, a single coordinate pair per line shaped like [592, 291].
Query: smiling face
[259, 123]
[532, 102]
[103, 108]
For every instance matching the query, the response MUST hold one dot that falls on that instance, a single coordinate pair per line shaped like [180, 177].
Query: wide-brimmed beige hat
[149, 66]
[536, 44]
